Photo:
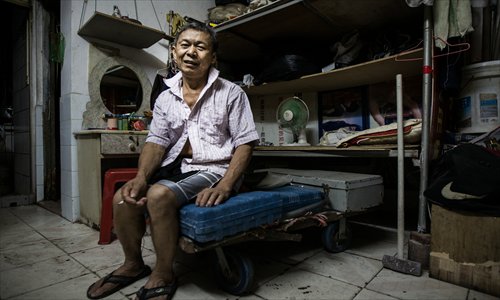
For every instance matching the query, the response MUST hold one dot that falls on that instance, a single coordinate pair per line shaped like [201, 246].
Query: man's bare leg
[163, 212]
[130, 226]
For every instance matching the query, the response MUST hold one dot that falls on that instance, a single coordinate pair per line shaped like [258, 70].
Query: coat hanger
[466, 46]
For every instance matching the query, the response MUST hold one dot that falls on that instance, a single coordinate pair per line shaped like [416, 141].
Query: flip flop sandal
[120, 280]
[168, 289]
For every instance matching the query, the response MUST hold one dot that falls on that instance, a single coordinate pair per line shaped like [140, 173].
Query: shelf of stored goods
[370, 72]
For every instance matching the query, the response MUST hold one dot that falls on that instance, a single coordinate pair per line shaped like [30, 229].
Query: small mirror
[116, 85]
[121, 90]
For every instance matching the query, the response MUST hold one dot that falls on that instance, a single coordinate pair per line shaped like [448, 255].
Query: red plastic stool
[111, 178]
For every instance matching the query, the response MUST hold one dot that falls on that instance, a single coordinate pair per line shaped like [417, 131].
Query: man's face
[193, 53]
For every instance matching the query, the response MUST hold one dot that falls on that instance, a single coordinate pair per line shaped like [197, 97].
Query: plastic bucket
[478, 107]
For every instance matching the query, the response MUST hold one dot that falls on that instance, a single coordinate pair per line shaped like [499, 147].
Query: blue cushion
[243, 212]
[295, 197]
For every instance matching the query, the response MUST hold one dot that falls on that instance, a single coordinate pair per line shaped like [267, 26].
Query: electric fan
[292, 115]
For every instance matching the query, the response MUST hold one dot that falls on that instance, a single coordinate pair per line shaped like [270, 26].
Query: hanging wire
[449, 64]
[84, 7]
[136, 12]
[156, 15]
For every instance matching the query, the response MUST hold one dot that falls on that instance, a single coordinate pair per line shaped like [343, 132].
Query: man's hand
[212, 196]
[222, 191]
[134, 190]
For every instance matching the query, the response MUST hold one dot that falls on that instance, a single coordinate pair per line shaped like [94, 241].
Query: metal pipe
[401, 168]
[426, 107]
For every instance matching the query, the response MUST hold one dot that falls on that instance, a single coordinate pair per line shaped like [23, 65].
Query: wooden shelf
[411, 151]
[248, 36]
[112, 29]
[318, 24]
[380, 70]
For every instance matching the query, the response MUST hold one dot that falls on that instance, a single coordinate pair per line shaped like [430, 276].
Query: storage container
[478, 109]
[346, 191]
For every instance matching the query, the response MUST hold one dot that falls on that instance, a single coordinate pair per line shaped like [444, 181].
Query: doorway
[16, 163]
[29, 93]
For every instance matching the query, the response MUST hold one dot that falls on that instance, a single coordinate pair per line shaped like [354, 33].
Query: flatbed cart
[313, 198]
[234, 270]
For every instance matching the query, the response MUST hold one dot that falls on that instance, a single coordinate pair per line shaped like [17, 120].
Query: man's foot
[115, 281]
[158, 291]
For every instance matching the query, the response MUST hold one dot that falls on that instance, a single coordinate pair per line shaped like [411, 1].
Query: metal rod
[401, 168]
[136, 12]
[426, 107]
[221, 257]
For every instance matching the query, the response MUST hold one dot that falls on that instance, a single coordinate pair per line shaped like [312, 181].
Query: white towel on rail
[452, 18]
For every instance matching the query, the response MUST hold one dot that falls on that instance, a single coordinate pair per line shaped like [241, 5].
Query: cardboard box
[346, 191]
[465, 249]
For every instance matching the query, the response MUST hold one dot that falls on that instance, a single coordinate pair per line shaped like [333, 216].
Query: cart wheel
[238, 279]
[331, 238]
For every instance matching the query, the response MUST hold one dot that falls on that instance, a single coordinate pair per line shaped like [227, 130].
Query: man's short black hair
[203, 28]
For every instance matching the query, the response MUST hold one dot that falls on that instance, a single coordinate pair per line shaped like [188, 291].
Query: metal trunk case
[346, 191]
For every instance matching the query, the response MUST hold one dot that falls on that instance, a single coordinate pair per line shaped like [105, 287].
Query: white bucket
[478, 103]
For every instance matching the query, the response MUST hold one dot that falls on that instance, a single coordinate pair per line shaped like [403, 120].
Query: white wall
[74, 74]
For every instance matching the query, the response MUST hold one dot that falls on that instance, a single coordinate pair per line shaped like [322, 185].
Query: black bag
[467, 178]
[287, 67]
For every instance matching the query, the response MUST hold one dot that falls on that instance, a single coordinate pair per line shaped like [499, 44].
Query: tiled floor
[43, 256]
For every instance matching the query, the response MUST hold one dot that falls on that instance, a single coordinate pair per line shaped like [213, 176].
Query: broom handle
[401, 157]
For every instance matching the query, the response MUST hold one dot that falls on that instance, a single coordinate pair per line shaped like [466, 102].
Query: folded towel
[386, 134]
[452, 18]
